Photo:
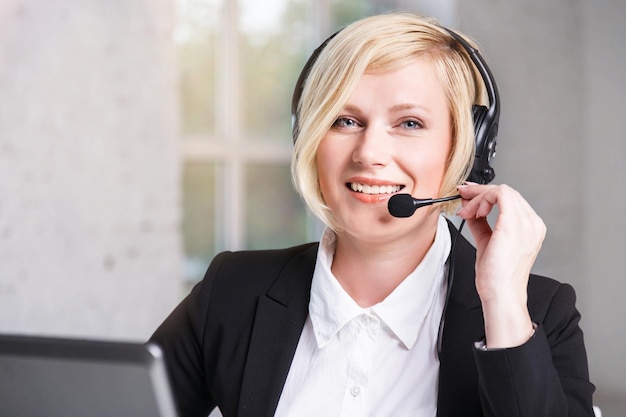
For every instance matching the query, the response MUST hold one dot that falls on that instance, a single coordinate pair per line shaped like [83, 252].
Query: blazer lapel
[279, 320]
[458, 392]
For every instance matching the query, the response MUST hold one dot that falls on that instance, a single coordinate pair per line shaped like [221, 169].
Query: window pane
[199, 209]
[275, 215]
[344, 12]
[273, 39]
[196, 35]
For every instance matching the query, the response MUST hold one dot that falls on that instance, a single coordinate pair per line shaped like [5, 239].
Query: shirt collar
[403, 311]
[330, 306]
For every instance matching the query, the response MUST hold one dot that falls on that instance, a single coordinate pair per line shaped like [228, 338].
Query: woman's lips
[374, 189]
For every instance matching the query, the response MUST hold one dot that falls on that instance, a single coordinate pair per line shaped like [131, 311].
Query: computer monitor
[46, 376]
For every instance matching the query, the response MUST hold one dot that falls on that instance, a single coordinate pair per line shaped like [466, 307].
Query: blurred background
[138, 138]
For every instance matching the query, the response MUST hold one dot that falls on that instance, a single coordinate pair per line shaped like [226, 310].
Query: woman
[351, 326]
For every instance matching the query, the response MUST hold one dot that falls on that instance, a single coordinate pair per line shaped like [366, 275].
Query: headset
[486, 119]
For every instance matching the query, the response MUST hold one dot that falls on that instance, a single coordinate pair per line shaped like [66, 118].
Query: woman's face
[392, 136]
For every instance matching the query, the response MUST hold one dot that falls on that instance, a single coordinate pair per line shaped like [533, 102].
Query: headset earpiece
[478, 114]
[485, 132]
[486, 119]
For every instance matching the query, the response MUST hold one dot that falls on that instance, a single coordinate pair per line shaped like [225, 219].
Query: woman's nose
[373, 147]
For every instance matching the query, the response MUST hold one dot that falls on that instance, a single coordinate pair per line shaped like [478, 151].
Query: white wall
[89, 167]
[603, 198]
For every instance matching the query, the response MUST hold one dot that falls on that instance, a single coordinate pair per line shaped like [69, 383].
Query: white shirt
[378, 361]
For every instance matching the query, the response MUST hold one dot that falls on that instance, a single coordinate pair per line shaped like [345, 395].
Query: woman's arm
[525, 368]
[546, 376]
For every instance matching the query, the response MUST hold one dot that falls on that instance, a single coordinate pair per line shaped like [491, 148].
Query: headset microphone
[404, 205]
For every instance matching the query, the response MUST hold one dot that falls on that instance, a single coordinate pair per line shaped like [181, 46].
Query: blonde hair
[379, 44]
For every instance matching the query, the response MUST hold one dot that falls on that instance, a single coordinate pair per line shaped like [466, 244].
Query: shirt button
[367, 320]
[355, 390]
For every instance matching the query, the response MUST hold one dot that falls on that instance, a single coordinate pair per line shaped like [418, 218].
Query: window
[238, 64]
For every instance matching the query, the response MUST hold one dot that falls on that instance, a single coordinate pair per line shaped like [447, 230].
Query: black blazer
[232, 339]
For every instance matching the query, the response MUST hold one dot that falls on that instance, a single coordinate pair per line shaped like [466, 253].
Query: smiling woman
[385, 315]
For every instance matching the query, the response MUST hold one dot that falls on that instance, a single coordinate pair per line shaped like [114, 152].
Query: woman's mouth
[374, 189]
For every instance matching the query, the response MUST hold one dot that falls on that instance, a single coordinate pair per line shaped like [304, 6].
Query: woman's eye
[411, 124]
[345, 122]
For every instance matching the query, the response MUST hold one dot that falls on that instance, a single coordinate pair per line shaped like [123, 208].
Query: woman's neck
[370, 271]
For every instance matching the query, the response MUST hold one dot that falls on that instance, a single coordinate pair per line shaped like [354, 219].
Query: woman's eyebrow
[352, 108]
[410, 106]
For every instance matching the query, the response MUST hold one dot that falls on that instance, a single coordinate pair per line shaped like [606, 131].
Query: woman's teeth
[374, 189]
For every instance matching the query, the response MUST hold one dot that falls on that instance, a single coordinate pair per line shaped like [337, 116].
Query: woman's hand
[504, 258]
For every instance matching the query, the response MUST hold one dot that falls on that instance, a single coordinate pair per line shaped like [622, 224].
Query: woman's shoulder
[550, 299]
[235, 280]
[263, 261]
[545, 288]
[254, 271]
